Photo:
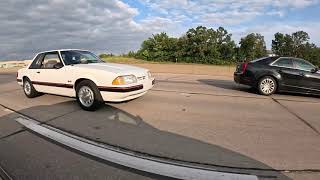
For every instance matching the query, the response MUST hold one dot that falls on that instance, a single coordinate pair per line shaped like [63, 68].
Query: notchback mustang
[81, 74]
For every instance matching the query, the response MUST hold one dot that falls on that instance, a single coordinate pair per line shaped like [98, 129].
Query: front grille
[141, 78]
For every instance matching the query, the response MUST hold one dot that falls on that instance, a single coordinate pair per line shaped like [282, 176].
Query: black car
[277, 74]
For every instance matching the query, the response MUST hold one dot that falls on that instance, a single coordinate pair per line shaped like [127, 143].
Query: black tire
[97, 98]
[28, 89]
[267, 86]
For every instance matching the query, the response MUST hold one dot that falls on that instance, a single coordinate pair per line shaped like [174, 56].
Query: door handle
[38, 72]
[302, 74]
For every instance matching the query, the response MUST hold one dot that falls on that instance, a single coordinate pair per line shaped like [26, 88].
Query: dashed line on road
[207, 94]
[297, 116]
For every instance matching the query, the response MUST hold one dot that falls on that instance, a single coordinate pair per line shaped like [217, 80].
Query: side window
[36, 64]
[71, 57]
[49, 60]
[284, 62]
[303, 65]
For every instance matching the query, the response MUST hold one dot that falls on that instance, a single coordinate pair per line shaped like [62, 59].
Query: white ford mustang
[81, 74]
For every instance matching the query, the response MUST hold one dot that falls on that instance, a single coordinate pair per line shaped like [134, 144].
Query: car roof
[274, 58]
[278, 57]
[62, 50]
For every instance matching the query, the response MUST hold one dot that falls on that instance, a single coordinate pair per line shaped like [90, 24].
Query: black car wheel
[28, 89]
[267, 86]
[88, 96]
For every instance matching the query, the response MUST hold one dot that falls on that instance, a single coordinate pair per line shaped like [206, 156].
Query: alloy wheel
[86, 96]
[267, 86]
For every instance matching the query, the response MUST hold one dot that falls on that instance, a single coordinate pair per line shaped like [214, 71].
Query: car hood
[113, 67]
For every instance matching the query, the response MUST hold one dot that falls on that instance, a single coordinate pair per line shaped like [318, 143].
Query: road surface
[196, 119]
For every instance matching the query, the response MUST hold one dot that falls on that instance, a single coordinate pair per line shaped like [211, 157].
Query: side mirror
[58, 66]
[315, 70]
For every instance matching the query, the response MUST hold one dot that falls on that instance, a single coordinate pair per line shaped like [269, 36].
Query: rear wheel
[267, 86]
[88, 96]
[28, 89]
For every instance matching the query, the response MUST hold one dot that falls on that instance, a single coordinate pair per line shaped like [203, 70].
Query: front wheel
[28, 89]
[267, 86]
[88, 96]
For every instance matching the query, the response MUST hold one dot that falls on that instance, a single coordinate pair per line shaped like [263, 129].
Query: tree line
[215, 46]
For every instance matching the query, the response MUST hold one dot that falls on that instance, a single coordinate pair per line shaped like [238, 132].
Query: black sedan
[279, 74]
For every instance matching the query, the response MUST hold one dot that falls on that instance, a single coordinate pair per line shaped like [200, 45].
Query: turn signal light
[118, 81]
[124, 80]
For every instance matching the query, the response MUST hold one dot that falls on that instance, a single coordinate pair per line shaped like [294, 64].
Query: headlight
[149, 75]
[124, 80]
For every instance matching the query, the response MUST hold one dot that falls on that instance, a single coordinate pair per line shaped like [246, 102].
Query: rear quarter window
[36, 64]
[263, 61]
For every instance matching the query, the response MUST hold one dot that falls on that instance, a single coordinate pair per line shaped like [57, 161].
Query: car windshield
[79, 57]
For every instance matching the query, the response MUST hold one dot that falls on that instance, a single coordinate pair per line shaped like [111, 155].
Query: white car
[81, 74]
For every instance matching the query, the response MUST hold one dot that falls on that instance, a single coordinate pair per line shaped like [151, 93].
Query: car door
[308, 80]
[52, 75]
[289, 75]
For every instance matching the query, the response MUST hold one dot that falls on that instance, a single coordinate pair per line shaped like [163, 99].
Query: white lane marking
[144, 164]
[8, 110]
[5, 174]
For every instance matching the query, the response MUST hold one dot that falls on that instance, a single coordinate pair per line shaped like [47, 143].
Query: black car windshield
[79, 57]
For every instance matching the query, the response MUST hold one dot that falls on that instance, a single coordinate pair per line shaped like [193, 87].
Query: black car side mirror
[58, 66]
[315, 70]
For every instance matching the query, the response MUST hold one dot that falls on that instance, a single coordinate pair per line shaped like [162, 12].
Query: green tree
[311, 53]
[300, 40]
[205, 45]
[215, 46]
[158, 47]
[290, 45]
[226, 46]
[200, 43]
[282, 45]
[252, 46]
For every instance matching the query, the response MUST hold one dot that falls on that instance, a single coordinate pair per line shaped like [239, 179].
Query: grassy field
[128, 60]
[177, 68]
[124, 60]
[164, 67]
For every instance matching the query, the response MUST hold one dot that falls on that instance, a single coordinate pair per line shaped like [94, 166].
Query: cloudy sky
[117, 26]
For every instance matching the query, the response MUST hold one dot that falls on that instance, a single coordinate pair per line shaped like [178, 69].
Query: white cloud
[226, 12]
[233, 13]
[100, 25]
[110, 25]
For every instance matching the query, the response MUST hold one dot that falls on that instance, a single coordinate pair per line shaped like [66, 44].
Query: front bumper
[119, 94]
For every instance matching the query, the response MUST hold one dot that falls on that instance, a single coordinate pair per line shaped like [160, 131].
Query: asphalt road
[204, 120]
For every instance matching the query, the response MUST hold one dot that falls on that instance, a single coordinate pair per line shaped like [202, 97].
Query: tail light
[244, 67]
